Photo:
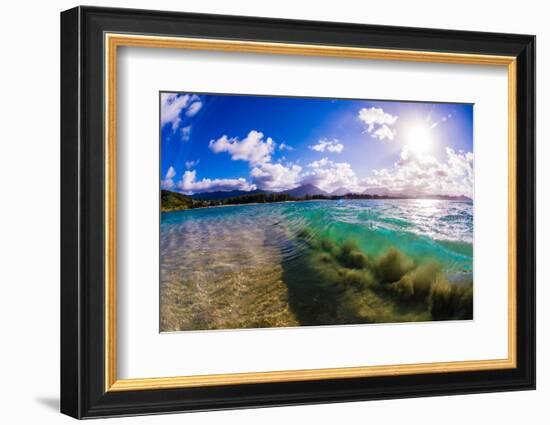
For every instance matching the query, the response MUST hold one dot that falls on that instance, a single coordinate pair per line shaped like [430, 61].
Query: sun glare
[419, 137]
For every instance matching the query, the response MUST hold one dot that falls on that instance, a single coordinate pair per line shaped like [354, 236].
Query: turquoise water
[316, 262]
[435, 229]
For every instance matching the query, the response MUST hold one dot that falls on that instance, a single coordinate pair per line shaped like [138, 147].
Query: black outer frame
[82, 206]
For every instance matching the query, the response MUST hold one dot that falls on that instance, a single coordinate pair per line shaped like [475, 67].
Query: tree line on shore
[174, 201]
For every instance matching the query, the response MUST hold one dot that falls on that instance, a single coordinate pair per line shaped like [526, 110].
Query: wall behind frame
[29, 217]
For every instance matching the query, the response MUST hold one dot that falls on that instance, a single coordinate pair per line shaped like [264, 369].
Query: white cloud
[276, 177]
[383, 132]
[257, 150]
[378, 122]
[168, 182]
[461, 163]
[415, 174]
[171, 173]
[284, 146]
[320, 163]
[376, 116]
[191, 164]
[253, 148]
[267, 175]
[189, 184]
[333, 146]
[329, 175]
[172, 104]
[186, 133]
[193, 108]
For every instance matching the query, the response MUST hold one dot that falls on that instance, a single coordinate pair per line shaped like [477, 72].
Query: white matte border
[143, 352]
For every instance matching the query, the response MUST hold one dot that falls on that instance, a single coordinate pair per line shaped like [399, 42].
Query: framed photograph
[261, 212]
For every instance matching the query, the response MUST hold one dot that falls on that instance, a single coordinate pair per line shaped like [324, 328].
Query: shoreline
[313, 200]
[244, 205]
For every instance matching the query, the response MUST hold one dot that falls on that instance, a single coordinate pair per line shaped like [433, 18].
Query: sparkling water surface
[440, 229]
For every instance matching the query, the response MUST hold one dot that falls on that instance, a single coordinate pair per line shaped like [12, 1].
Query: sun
[419, 138]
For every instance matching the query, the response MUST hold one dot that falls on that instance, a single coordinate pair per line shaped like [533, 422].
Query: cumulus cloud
[415, 174]
[320, 163]
[376, 116]
[329, 175]
[461, 168]
[379, 123]
[254, 148]
[270, 175]
[172, 105]
[168, 181]
[193, 108]
[189, 184]
[284, 146]
[333, 146]
[324, 173]
[276, 177]
[186, 133]
[383, 132]
[257, 150]
[191, 164]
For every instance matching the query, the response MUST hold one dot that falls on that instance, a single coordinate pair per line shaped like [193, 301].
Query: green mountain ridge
[173, 201]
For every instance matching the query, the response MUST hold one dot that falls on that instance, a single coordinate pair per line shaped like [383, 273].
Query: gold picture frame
[114, 41]
[91, 40]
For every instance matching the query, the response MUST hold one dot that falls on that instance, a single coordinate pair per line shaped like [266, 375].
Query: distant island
[175, 201]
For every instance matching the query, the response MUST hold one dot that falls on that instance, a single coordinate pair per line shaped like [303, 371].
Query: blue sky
[224, 142]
